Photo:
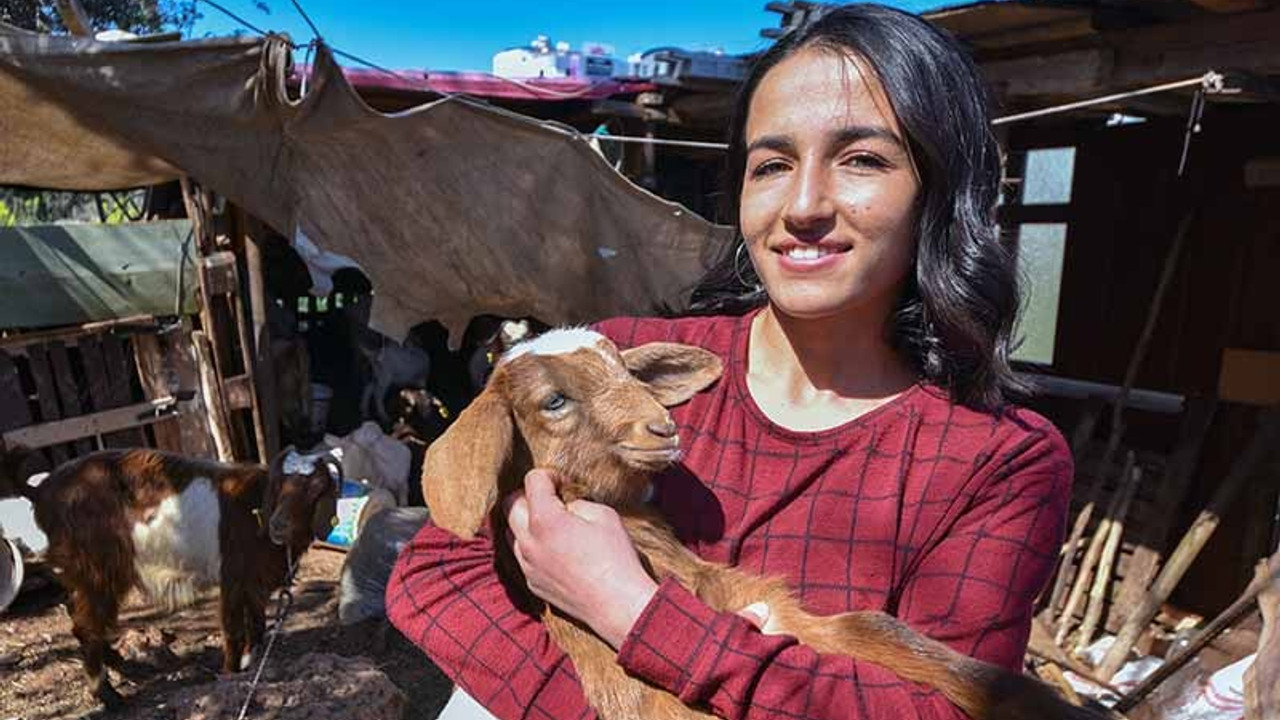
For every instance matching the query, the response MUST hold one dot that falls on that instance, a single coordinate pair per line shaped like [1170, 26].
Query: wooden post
[1264, 441]
[258, 359]
[1102, 577]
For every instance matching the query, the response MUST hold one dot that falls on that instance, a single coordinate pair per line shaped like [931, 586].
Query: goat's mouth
[649, 458]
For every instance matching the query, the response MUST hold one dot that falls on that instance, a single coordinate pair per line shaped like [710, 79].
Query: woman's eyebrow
[854, 133]
[778, 143]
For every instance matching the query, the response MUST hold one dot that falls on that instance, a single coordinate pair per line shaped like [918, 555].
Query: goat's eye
[555, 401]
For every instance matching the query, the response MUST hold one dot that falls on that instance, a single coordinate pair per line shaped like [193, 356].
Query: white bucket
[11, 572]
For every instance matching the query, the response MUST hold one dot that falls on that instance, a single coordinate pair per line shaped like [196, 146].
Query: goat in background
[172, 526]
[569, 401]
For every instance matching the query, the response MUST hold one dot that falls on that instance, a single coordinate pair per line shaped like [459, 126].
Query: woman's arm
[445, 596]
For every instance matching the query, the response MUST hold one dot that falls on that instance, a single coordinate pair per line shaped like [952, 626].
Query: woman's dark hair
[956, 314]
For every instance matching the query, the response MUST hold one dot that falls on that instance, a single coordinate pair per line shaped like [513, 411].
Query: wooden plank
[1250, 376]
[91, 425]
[134, 322]
[121, 374]
[210, 389]
[14, 411]
[239, 392]
[68, 390]
[155, 384]
[46, 394]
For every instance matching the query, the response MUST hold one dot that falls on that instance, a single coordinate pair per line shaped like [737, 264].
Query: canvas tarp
[452, 208]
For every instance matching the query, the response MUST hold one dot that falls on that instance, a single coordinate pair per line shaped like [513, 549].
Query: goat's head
[568, 401]
[300, 499]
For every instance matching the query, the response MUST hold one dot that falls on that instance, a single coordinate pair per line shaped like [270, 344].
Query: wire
[235, 17]
[659, 141]
[314, 30]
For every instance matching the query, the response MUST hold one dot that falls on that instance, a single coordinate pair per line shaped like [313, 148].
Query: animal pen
[1144, 208]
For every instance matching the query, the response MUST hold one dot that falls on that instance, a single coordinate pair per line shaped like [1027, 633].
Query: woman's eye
[768, 167]
[867, 160]
[554, 402]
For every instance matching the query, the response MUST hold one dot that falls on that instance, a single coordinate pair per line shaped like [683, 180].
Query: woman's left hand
[579, 558]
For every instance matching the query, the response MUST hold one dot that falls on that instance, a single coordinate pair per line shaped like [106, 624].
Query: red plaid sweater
[947, 518]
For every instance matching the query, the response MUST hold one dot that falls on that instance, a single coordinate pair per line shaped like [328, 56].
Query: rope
[284, 602]
[1210, 81]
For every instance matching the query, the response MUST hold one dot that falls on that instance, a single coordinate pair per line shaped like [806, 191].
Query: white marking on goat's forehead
[561, 341]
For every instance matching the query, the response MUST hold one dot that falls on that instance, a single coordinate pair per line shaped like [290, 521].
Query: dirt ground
[41, 676]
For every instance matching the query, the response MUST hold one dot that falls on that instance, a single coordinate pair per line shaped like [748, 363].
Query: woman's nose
[811, 204]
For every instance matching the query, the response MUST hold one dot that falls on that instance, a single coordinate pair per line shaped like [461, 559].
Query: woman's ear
[673, 372]
[462, 469]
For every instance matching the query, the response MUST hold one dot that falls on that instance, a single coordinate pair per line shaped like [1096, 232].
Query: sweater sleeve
[973, 589]
[445, 596]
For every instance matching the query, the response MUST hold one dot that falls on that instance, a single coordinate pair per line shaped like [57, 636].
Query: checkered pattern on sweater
[947, 518]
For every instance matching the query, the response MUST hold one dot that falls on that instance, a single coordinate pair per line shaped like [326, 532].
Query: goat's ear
[673, 372]
[463, 467]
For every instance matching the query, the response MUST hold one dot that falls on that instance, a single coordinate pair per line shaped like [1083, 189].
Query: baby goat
[570, 402]
[171, 525]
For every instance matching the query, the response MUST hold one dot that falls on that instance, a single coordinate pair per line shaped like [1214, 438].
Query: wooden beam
[74, 17]
[91, 425]
[1135, 58]
[1230, 6]
[1250, 376]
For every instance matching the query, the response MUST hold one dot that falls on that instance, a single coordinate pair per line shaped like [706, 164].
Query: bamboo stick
[1093, 554]
[1106, 564]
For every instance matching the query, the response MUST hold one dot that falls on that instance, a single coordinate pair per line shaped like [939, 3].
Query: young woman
[861, 443]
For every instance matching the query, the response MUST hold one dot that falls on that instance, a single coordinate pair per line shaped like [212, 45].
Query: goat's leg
[92, 623]
[231, 615]
[255, 623]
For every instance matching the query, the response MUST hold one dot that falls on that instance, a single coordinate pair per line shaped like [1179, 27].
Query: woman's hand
[579, 558]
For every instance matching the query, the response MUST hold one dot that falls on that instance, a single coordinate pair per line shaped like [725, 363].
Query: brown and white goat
[171, 526]
[569, 401]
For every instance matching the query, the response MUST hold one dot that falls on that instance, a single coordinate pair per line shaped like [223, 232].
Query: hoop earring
[754, 287]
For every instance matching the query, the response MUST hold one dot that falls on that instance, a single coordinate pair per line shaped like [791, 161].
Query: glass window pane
[1047, 178]
[1041, 247]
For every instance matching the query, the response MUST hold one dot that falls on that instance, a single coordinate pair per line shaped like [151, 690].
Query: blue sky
[453, 35]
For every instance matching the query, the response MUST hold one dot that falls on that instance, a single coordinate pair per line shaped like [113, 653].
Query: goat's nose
[663, 429]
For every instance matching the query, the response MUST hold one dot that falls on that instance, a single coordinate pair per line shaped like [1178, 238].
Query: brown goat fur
[169, 525]
[598, 418]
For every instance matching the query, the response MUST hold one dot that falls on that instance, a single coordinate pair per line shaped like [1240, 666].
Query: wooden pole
[1229, 617]
[1092, 555]
[1264, 441]
[263, 371]
[74, 17]
[219, 420]
[1262, 679]
[1102, 578]
[1117, 414]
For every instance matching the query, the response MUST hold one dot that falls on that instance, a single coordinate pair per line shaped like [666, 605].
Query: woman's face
[829, 191]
